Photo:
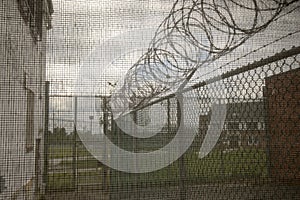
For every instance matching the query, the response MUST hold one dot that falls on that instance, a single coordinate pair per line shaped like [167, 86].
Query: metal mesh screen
[152, 99]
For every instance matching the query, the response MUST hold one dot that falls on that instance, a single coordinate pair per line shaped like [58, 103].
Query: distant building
[23, 27]
[283, 101]
[244, 126]
[143, 117]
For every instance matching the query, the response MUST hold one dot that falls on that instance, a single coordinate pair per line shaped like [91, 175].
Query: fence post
[266, 130]
[105, 131]
[46, 142]
[168, 115]
[182, 170]
[114, 133]
[74, 160]
[134, 149]
[37, 167]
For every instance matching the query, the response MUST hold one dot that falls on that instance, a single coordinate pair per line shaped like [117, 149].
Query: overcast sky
[96, 41]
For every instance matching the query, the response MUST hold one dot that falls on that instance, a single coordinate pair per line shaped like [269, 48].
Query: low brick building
[283, 97]
[244, 126]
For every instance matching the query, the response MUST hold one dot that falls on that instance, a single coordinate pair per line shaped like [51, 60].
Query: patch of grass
[238, 164]
[65, 181]
[60, 181]
[81, 164]
[216, 167]
[164, 177]
[62, 151]
[242, 164]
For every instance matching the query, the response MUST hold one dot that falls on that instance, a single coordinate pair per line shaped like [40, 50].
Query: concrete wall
[22, 68]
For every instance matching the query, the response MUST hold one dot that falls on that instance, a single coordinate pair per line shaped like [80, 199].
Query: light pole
[91, 117]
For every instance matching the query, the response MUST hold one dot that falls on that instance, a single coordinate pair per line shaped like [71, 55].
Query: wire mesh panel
[160, 99]
[246, 159]
[70, 163]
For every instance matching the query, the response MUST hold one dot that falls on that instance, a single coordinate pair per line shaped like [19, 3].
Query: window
[252, 125]
[98, 107]
[241, 126]
[2, 184]
[261, 126]
[252, 140]
[29, 122]
[32, 14]
[234, 141]
[233, 125]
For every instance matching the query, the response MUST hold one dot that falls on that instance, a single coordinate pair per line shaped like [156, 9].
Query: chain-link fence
[160, 99]
[250, 152]
[255, 153]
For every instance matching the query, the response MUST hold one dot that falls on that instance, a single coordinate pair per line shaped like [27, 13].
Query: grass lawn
[238, 164]
[216, 167]
[62, 151]
[64, 181]
[88, 163]
[243, 164]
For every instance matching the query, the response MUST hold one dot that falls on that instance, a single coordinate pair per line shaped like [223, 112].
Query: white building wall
[20, 57]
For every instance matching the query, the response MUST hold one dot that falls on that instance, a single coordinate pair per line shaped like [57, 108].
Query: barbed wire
[194, 34]
[245, 55]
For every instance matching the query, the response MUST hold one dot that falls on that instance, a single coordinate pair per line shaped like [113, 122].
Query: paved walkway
[198, 192]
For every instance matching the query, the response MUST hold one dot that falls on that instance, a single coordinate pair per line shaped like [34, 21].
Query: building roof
[242, 111]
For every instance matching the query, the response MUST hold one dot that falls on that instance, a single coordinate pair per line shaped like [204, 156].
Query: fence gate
[70, 165]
